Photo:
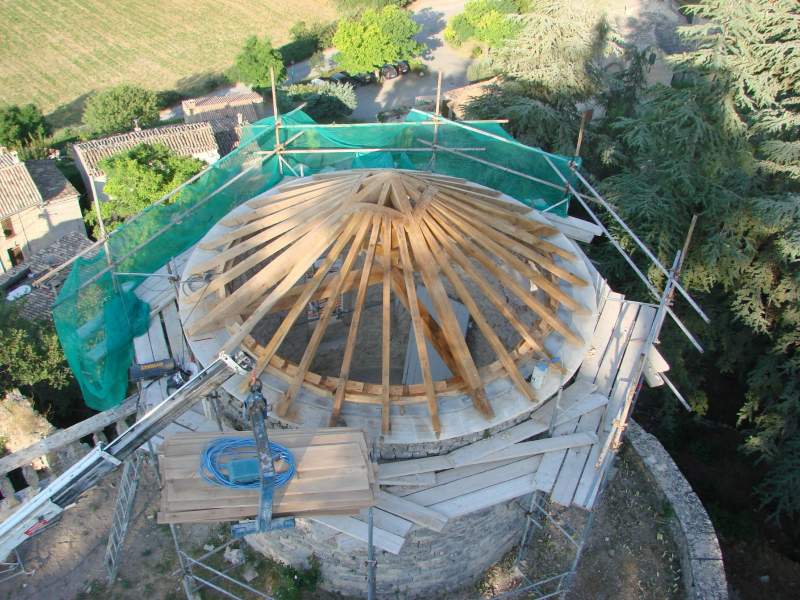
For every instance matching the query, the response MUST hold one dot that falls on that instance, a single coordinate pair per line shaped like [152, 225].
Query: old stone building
[226, 114]
[196, 140]
[37, 207]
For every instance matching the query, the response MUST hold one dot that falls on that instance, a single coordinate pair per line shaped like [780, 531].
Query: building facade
[37, 207]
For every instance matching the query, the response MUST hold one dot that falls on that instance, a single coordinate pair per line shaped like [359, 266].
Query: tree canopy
[21, 125]
[376, 38]
[137, 178]
[120, 109]
[325, 102]
[253, 63]
[488, 21]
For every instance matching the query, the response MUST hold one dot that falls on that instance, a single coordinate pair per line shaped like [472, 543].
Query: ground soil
[628, 554]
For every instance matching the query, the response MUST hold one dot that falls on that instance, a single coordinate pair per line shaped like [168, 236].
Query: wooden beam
[416, 321]
[525, 295]
[486, 329]
[352, 333]
[386, 320]
[323, 322]
[488, 290]
[280, 334]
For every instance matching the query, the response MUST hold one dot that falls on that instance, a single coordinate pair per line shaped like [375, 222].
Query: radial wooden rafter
[409, 229]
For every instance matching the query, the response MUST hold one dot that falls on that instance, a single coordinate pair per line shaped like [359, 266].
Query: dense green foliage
[21, 125]
[720, 142]
[119, 109]
[325, 102]
[487, 21]
[306, 40]
[376, 38]
[557, 51]
[30, 355]
[254, 62]
[139, 177]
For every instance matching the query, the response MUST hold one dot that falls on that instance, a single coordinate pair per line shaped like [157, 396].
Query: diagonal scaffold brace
[256, 408]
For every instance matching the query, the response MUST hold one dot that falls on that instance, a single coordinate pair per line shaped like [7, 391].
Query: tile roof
[50, 181]
[225, 117]
[186, 140]
[38, 303]
[207, 103]
[17, 189]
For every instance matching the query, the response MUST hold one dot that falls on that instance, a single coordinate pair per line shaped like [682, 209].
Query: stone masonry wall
[694, 534]
[430, 564]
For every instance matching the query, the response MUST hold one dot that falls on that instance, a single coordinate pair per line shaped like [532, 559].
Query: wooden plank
[606, 322]
[387, 521]
[583, 438]
[463, 486]
[486, 497]
[412, 511]
[418, 480]
[477, 450]
[576, 229]
[402, 468]
[575, 461]
[356, 529]
[178, 348]
[618, 342]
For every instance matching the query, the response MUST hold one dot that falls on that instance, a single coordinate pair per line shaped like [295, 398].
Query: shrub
[458, 30]
[119, 109]
[325, 102]
[20, 125]
[476, 52]
[480, 69]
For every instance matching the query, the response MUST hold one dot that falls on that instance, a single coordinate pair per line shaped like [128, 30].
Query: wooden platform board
[334, 476]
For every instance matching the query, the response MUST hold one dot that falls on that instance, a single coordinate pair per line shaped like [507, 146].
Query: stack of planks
[334, 475]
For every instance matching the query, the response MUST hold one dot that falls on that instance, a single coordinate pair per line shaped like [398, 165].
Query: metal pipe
[629, 260]
[639, 243]
[371, 563]
[363, 150]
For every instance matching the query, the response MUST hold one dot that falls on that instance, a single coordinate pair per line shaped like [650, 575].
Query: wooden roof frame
[404, 223]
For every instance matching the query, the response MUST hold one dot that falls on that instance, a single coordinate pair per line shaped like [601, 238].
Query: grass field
[56, 52]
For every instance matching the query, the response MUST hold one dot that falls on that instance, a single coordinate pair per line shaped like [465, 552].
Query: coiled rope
[220, 452]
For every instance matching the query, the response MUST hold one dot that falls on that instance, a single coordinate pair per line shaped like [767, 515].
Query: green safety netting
[97, 313]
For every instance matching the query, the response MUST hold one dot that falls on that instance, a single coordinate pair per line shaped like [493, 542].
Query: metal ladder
[123, 510]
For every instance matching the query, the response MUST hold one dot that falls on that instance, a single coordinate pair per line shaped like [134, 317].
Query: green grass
[58, 53]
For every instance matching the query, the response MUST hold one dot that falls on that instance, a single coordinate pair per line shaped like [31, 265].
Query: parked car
[389, 72]
[403, 67]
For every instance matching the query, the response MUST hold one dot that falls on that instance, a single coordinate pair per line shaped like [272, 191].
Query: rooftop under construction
[411, 303]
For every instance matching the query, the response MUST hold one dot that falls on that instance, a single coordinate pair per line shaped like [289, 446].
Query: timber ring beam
[393, 234]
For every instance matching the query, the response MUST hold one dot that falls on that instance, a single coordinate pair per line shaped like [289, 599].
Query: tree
[22, 125]
[120, 109]
[30, 354]
[137, 178]
[721, 142]
[376, 38]
[255, 60]
[557, 51]
[325, 102]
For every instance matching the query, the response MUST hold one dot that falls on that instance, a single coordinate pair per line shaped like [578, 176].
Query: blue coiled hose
[223, 450]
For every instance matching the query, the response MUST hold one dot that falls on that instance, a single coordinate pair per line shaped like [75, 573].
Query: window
[15, 254]
[8, 228]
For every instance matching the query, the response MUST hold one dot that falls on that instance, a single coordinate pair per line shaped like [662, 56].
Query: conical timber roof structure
[345, 232]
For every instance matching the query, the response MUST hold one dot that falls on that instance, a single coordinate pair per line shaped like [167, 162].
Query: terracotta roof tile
[186, 140]
[17, 189]
[207, 103]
